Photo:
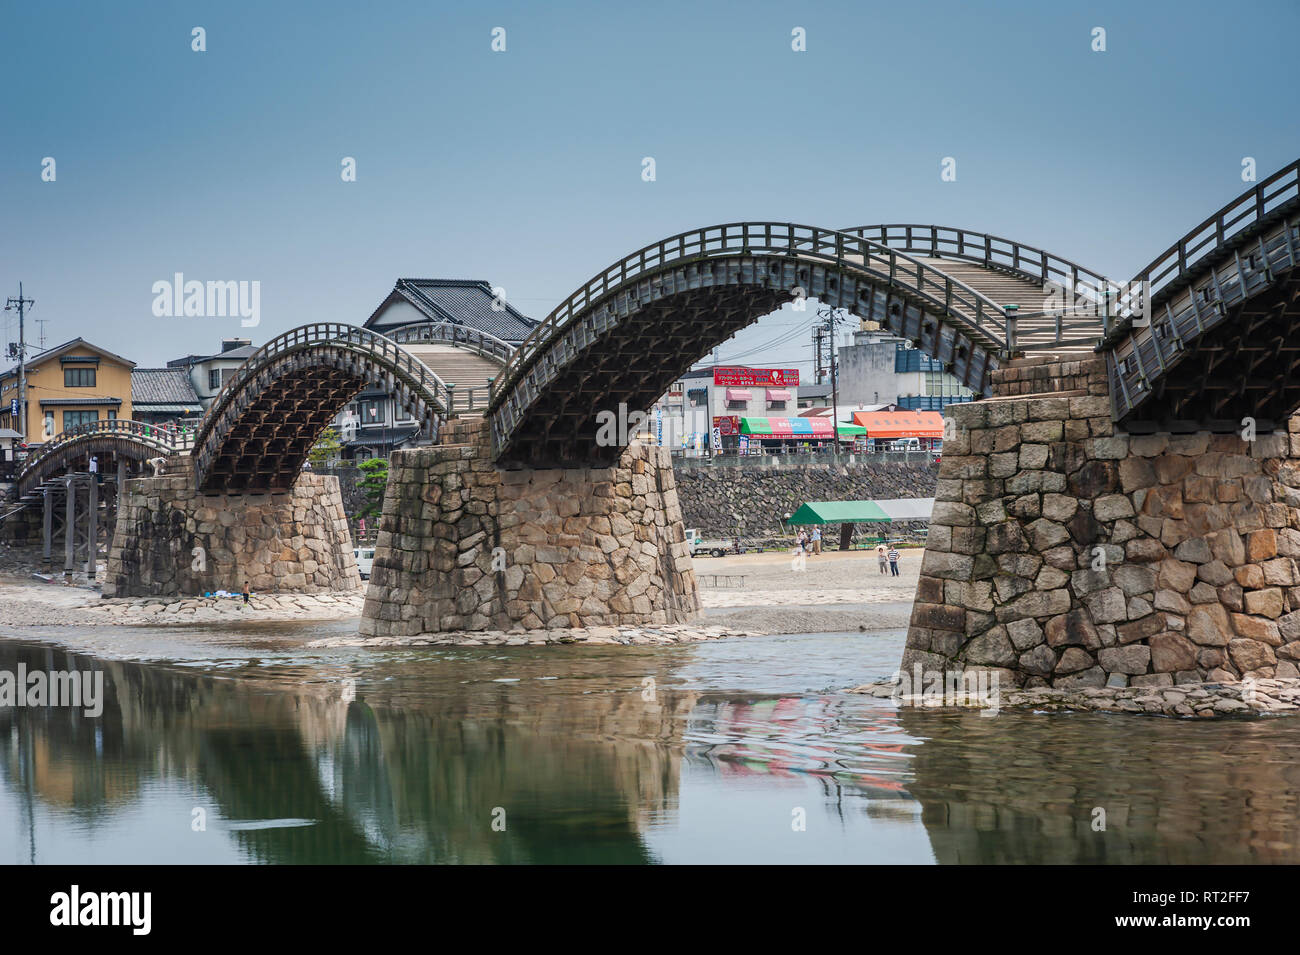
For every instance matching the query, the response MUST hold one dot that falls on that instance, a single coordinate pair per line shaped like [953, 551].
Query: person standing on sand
[817, 539]
[246, 592]
[893, 561]
[881, 555]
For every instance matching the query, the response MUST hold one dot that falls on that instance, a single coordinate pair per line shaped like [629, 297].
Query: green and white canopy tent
[864, 512]
[848, 513]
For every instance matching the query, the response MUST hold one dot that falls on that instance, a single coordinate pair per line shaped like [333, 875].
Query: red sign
[727, 424]
[758, 377]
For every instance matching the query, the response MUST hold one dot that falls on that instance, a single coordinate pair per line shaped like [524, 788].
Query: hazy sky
[524, 167]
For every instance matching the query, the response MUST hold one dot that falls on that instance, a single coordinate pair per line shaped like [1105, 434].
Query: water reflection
[619, 755]
[383, 778]
[1024, 788]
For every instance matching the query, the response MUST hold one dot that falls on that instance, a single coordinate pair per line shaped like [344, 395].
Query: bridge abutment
[1063, 552]
[465, 545]
[295, 541]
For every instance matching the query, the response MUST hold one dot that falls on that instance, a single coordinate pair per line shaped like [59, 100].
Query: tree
[325, 452]
[374, 481]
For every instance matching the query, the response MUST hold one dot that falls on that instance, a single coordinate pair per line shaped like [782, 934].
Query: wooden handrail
[972, 311]
[354, 338]
[155, 436]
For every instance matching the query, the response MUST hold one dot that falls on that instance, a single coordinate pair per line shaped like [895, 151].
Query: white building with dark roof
[207, 373]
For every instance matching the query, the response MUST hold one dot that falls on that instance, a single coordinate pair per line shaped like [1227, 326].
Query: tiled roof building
[163, 394]
[462, 301]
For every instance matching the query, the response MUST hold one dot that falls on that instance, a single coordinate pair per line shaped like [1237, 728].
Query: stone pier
[465, 545]
[1064, 553]
[288, 542]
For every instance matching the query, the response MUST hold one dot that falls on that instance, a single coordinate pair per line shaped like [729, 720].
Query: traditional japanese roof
[151, 387]
[463, 301]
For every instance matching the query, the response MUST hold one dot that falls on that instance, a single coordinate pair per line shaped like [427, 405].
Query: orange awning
[900, 424]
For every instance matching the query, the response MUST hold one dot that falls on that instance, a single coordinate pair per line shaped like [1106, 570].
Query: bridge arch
[265, 419]
[631, 330]
[133, 440]
[466, 358]
[1218, 338]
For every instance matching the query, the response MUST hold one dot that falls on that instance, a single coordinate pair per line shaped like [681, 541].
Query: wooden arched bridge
[1202, 337]
[968, 299]
[122, 439]
[265, 419]
[1215, 337]
[262, 423]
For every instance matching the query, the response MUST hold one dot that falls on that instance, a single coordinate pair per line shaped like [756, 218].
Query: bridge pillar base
[294, 542]
[1064, 553]
[23, 528]
[464, 545]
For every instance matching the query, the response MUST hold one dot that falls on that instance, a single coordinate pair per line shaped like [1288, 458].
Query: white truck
[698, 546]
[365, 560]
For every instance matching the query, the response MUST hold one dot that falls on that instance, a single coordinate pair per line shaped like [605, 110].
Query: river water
[241, 746]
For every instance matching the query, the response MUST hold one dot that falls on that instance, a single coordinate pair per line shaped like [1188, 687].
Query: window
[371, 412]
[73, 419]
[78, 378]
[218, 377]
[49, 425]
[112, 415]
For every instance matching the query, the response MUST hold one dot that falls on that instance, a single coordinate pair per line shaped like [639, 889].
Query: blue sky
[524, 167]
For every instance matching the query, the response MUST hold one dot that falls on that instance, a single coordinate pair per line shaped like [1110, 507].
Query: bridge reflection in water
[589, 771]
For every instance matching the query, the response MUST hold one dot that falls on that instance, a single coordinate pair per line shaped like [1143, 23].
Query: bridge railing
[1174, 267]
[167, 439]
[1072, 311]
[363, 341]
[990, 251]
[978, 316]
[451, 333]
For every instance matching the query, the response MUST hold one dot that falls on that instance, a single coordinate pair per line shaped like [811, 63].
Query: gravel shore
[32, 603]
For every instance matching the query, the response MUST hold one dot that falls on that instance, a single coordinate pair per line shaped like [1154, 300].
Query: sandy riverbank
[837, 591]
[747, 593]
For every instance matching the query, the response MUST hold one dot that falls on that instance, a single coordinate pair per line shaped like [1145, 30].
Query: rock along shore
[589, 636]
[1185, 700]
[76, 607]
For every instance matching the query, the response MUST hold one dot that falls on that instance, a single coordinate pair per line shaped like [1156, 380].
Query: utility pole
[21, 303]
[832, 319]
[817, 353]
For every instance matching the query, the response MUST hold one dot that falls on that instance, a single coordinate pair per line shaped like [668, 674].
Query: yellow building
[71, 384]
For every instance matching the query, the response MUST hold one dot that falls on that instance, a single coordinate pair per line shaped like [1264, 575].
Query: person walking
[881, 554]
[802, 541]
[817, 539]
[893, 561]
[246, 593]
